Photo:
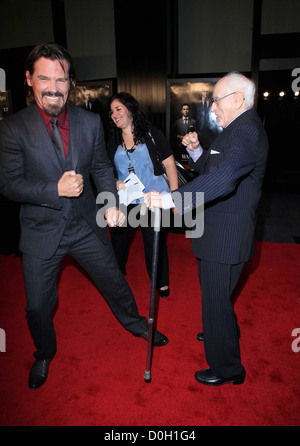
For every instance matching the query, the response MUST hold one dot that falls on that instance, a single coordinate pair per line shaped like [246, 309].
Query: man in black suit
[230, 175]
[46, 166]
[182, 126]
[93, 104]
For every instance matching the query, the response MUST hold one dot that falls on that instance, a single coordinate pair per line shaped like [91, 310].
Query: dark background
[147, 55]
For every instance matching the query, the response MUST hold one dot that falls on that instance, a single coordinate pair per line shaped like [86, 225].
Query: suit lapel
[74, 137]
[47, 148]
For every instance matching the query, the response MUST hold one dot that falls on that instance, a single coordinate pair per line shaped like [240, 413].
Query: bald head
[233, 94]
[239, 82]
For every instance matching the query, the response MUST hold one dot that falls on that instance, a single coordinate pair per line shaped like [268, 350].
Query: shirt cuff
[167, 202]
[195, 154]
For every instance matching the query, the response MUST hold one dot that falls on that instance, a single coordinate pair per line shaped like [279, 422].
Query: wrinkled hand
[153, 199]
[114, 217]
[191, 141]
[70, 184]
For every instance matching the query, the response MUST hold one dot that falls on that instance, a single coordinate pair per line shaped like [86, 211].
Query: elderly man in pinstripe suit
[230, 175]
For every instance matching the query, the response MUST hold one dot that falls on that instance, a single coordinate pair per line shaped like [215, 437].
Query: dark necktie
[56, 138]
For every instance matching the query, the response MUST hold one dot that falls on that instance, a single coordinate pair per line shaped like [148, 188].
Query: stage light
[266, 94]
[296, 94]
[282, 94]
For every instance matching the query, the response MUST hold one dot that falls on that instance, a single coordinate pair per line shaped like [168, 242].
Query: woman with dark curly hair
[137, 146]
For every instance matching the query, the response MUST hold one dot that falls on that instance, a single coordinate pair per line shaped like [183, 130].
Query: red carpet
[97, 377]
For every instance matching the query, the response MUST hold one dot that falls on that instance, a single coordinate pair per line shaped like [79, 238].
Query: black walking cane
[157, 219]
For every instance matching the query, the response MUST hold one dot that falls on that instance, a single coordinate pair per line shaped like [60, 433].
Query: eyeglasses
[223, 97]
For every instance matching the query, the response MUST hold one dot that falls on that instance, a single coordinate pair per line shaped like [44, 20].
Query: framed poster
[5, 103]
[190, 99]
[94, 96]
[88, 93]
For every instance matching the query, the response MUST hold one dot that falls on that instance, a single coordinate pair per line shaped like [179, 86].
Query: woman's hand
[120, 185]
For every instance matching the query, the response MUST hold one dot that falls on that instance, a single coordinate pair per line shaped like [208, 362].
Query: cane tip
[147, 376]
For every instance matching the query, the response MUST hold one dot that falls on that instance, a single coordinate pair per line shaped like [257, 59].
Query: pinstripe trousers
[220, 328]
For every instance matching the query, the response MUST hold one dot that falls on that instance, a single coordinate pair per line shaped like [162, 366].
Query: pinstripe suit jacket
[30, 170]
[231, 177]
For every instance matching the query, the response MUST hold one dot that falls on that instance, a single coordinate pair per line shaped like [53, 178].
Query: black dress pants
[99, 261]
[220, 328]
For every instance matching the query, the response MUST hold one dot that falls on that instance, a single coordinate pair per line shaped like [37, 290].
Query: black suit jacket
[181, 129]
[231, 177]
[30, 170]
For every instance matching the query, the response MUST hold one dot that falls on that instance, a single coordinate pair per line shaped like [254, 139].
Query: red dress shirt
[63, 125]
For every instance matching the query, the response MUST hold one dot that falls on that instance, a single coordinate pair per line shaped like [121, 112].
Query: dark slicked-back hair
[51, 51]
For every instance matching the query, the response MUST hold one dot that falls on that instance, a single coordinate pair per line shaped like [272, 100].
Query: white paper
[133, 191]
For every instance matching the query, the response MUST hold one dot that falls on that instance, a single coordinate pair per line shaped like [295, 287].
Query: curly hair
[141, 125]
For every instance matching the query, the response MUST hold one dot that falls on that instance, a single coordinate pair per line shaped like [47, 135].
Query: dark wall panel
[141, 52]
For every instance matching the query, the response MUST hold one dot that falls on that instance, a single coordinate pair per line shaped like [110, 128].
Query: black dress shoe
[207, 377]
[200, 337]
[164, 293]
[38, 373]
[159, 339]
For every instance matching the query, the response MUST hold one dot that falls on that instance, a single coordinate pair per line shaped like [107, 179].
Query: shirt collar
[237, 117]
[63, 119]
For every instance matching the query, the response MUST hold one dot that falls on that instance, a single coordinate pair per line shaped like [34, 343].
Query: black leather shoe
[200, 337]
[38, 373]
[207, 377]
[164, 293]
[159, 339]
